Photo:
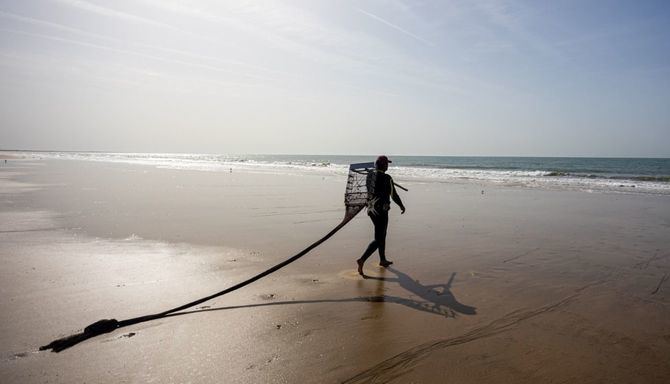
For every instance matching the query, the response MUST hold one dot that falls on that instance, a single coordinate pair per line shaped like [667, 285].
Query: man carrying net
[380, 191]
[365, 187]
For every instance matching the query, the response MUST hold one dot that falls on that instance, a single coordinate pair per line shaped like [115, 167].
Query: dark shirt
[380, 192]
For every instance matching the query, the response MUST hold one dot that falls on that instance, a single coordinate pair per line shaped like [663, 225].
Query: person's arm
[396, 197]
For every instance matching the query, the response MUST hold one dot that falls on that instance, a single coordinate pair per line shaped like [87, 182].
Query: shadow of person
[435, 298]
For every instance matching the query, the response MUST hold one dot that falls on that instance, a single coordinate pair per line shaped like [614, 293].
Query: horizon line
[330, 154]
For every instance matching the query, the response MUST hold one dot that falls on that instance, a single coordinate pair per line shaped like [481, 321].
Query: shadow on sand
[436, 299]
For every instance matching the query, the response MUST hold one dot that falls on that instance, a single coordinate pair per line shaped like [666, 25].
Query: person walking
[380, 192]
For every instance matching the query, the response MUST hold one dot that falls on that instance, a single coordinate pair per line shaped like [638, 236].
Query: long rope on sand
[108, 325]
[355, 199]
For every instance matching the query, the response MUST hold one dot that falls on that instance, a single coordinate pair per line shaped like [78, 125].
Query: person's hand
[402, 210]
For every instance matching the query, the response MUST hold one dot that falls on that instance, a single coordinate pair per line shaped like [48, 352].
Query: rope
[109, 325]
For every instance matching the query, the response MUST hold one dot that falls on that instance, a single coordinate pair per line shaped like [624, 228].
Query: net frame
[356, 192]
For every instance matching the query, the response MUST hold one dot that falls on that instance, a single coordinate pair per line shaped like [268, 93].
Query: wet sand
[512, 285]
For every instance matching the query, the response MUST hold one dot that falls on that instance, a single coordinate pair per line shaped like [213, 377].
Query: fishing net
[356, 194]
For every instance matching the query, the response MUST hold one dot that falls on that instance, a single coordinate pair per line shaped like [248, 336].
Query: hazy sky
[494, 77]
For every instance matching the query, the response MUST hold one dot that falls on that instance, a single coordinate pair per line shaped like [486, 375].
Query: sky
[462, 78]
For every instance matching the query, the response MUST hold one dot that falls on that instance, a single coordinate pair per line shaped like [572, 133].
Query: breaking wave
[649, 176]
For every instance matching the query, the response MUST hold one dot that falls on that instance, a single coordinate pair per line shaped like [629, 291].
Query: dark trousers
[381, 223]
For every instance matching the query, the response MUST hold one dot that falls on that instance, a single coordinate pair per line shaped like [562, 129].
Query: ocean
[621, 175]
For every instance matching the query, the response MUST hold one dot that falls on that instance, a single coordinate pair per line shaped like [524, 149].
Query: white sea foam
[222, 163]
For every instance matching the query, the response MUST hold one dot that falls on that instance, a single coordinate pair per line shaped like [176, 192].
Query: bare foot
[385, 263]
[360, 267]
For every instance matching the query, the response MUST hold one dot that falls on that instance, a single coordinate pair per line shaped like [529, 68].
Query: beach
[491, 283]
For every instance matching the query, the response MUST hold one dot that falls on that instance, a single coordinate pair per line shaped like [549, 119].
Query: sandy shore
[509, 285]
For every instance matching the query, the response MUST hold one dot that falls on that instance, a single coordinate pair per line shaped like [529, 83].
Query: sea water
[626, 175]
